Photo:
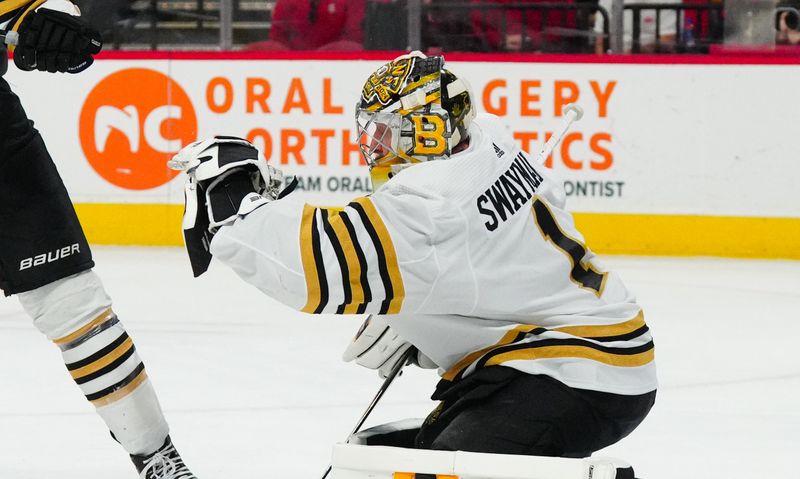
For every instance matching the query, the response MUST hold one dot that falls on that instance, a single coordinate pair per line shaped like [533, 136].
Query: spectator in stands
[788, 23]
[515, 29]
[703, 26]
[647, 28]
[333, 25]
[448, 29]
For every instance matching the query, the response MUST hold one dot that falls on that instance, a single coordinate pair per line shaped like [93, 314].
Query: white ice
[254, 390]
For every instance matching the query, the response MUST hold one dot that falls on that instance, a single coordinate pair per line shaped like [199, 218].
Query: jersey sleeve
[10, 8]
[384, 254]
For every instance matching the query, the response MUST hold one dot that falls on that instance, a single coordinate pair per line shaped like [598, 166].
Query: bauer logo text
[49, 257]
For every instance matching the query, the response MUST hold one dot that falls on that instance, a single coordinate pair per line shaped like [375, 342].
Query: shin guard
[75, 313]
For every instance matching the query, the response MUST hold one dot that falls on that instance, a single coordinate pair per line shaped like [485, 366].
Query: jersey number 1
[583, 274]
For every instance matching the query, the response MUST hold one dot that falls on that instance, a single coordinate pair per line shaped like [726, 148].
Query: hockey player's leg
[45, 259]
[41, 239]
[75, 313]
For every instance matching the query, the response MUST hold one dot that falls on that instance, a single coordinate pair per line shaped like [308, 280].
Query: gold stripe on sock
[122, 392]
[103, 317]
[104, 361]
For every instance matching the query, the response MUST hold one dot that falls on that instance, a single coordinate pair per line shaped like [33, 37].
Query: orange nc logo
[131, 123]
[387, 81]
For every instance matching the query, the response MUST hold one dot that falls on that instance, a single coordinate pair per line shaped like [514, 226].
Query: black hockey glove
[3, 60]
[53, 41]
[226, 180]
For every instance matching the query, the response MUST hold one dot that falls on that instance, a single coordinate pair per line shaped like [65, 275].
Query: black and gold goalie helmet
[411, 110]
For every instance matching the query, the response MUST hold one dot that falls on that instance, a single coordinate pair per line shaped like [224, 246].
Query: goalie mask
[411, 110]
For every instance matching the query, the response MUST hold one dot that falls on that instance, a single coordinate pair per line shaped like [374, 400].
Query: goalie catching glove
[51, 36]
[377, 346]
[226, 180]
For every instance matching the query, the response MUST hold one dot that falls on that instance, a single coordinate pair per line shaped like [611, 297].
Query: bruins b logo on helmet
[387, 81]
[411, 110]
[429, 135]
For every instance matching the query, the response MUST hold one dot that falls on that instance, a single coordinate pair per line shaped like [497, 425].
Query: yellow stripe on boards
[395, 277]
[132, 224]
[307, 256]
[605, 233]
[684, 235]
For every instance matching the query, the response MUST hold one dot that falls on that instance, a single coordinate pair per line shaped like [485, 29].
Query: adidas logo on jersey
[498, 151]
[49, 257]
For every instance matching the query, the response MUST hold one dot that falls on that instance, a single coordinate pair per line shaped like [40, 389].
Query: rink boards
[691, 158]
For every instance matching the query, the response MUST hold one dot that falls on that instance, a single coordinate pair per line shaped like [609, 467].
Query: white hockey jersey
[475, 260]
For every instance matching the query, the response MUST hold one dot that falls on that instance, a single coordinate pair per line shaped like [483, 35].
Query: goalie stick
[573, 113]
[386, 383]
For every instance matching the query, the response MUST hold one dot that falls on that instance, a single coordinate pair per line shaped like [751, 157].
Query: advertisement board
[686, 158]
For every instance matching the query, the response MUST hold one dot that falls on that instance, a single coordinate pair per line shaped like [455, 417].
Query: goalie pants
[502, 410]
[41, 239]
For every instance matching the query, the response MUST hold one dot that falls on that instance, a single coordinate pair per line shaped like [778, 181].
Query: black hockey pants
[41, 239]
[501, 410]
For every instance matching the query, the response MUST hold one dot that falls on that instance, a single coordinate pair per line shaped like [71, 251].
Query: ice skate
[165, 463]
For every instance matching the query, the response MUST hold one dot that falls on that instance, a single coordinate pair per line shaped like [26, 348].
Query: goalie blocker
[375, 454]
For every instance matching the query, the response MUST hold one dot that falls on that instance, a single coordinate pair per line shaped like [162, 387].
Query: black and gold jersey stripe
[513, 335]
[526, 342]
[8, 8]
[352, 262]
[16, 11]
[571, 348]
[387, 257]
[345, 263]
[357, 262]
[313, 264]
[363, 266]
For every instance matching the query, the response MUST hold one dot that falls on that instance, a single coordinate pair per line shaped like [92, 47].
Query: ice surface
[255, 390]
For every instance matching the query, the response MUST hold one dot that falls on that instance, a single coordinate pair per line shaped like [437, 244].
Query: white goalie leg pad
[363, 437]
[352, 461]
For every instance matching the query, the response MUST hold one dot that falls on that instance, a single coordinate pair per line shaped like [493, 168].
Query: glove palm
[226, 180]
